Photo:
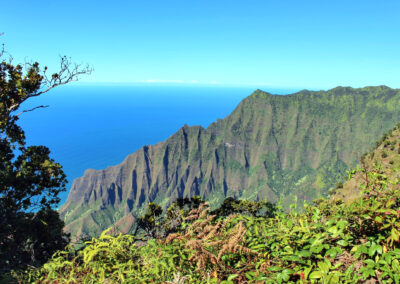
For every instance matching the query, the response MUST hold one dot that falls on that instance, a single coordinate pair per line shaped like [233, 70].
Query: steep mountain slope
[384, 159]
[330, 241]
[273, 147]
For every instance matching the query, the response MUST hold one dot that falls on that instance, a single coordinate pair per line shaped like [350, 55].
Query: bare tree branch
[2, 47]
[2, 50]
[67, 73]
[28, 110]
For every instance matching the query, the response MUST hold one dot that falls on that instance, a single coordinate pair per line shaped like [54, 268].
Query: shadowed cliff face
[270, 147]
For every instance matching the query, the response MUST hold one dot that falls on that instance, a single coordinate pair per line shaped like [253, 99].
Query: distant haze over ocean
[89, 126]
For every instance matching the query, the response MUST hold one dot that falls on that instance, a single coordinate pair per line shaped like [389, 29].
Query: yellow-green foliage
[330, 242]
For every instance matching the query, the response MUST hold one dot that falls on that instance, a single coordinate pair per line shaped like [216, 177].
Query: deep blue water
[88, 126]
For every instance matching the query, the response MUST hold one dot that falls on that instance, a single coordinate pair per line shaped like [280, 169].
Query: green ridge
[271, 147]
[344, 239]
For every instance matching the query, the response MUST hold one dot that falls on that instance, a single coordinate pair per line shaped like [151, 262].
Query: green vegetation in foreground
[332, 241]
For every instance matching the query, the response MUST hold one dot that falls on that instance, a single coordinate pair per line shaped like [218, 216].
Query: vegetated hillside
[357, 241]
[385, 158]
[271, 147]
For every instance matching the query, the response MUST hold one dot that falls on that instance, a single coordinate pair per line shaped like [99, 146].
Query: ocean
[97, 126]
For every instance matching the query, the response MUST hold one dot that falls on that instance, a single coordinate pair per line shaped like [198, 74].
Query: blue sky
[291, 44]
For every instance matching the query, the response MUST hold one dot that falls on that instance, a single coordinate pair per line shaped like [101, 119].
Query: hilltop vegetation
[271, 147]
[333, 241]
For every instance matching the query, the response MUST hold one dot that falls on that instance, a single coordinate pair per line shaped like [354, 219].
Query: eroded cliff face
[271, 147]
